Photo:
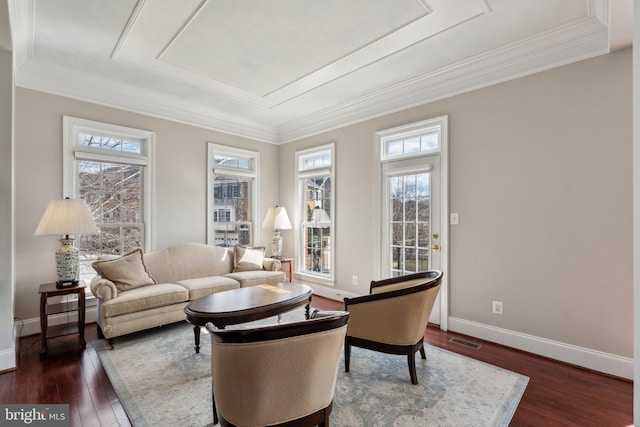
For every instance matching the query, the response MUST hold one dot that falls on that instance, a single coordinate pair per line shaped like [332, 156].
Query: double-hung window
[232, 195]
[316, 212]
[109, 167]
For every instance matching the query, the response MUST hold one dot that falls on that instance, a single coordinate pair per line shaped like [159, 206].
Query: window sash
[242, 168]
[315, 234]
[75, 152]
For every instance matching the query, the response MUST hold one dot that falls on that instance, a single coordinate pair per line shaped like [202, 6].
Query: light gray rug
[162, 382]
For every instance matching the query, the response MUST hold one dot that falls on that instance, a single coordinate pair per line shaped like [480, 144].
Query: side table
[49, 290]
[286, 260]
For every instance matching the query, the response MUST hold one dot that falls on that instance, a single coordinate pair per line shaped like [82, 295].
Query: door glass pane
[410, 227]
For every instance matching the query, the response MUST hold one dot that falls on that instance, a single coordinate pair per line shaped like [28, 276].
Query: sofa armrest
[103, 289]
[271, 264]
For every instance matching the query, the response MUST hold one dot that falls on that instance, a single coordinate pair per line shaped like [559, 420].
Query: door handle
[435, 247]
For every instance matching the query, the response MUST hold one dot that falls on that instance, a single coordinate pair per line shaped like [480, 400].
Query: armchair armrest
[271, 264]
[103, 289]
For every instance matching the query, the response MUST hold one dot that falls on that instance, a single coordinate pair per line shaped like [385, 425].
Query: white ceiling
[278, 70]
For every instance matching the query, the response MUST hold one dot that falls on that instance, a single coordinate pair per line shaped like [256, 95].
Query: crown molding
[573, 42]
[21, 16]
[72, 83]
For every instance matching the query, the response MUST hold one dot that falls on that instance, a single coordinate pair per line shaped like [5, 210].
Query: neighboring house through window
[231, 195]
[316, 212]
[109, 167]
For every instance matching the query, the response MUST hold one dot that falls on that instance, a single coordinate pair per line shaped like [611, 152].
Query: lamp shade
[66, 216]
[277, 219]
[320, 215]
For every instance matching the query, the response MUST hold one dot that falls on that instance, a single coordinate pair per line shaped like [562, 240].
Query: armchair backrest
[273, 374]
[397, 310]
[411, 282]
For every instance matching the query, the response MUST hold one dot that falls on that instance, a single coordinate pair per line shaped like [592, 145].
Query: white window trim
[253, 174]
[72, 126]
[407, 131]
[298, 236]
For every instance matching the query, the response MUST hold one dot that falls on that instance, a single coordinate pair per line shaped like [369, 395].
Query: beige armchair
[393, 318]
[279, 374]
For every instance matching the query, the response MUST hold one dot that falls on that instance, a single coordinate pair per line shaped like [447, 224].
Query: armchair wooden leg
[325, 419]
[422, 353]
[411, 358]
[213, 405]
[347, 354]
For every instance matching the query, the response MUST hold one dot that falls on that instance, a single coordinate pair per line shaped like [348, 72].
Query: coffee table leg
[306, 310]
[196, 335]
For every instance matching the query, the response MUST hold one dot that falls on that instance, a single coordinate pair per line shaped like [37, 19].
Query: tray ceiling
[279, 70]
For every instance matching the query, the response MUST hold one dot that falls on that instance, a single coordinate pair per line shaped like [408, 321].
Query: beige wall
[540, 173]
[179, 206]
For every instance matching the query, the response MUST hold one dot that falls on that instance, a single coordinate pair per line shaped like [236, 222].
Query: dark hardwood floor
[557, 394]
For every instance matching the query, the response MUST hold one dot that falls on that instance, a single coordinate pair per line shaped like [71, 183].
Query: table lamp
[65, 217]
[276, 220]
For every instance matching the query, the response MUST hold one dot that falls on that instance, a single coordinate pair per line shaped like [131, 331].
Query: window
[315, 176]
[110, 168]
[232, 198]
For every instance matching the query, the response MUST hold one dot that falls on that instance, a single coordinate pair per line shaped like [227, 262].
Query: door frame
[442, 123]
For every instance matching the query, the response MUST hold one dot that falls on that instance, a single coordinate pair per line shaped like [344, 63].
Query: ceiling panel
[262, 46]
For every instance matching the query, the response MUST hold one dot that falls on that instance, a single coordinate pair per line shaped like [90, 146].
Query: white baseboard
[8, 359]
[591, 359]
[32, 326]
[8, 356]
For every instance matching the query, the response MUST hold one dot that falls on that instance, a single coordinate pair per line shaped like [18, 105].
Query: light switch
[454, 219]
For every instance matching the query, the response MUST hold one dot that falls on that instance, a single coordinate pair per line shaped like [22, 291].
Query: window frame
[74, 152]
[252, 173]
[302, 173]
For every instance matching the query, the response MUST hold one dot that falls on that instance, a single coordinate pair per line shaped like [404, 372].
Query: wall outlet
[497, 307]
[354, 280]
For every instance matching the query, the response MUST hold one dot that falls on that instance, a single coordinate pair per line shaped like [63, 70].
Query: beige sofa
[139, 291]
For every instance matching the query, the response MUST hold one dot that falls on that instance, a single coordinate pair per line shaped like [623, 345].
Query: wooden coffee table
[245, 305]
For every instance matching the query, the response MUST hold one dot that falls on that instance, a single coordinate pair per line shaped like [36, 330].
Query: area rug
[162, 382]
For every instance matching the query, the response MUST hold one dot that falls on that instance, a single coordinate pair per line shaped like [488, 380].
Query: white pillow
[248, 258]
[126, 272]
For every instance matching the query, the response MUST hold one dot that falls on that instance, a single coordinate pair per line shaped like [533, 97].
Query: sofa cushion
[248, 258]
[188, 261]
[204, 286]
[257, 277]
[126, 272]
[145, 298]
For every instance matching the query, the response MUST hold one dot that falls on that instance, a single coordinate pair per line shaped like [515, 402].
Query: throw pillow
[126, 272]
[248, 258]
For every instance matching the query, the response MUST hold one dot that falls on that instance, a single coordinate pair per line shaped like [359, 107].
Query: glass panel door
[411, 219]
